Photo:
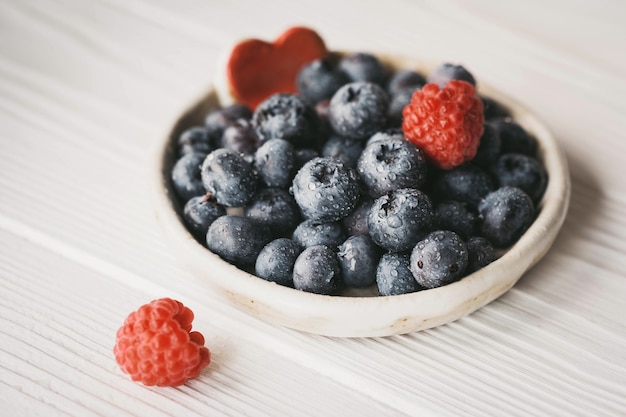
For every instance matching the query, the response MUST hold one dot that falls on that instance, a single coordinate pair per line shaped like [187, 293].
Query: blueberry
[288, 117]
[198, 214]
[358, 110]
[514, 138]
[394, 276]
[195, 139]
[456, 216]
[405, 80]
[447, 72]
[319, 80]
[399, 219]
[480, 253]
[346, 150]
[229, 178]
[326, 189]
[493, 109]
[387, 165]
[276, 260]
[186, 176]
[316, 270]
[358, 258]
[324, 127]
[240, 137]
[238, 239]
[276, 208]
[312, 233]
[504, 215]
[364, 67]
[489, 148]
[356, 222]
[217, 120]
[439, 259]
[521, 171]
[275, 163]
[468, 183]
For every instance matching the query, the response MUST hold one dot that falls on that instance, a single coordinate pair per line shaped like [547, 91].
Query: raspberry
[156, 346]
[446, 123]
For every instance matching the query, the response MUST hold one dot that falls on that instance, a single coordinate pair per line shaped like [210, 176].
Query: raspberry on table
[446, 123]
[156, 346]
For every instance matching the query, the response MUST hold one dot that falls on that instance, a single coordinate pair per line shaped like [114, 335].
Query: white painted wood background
[87, 86]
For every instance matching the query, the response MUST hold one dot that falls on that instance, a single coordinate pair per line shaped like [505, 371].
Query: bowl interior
[357, 313]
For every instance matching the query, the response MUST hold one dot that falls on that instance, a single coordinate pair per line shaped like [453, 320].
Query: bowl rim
[357, 316]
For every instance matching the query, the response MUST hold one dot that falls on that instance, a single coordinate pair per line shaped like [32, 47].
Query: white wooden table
[87, 86]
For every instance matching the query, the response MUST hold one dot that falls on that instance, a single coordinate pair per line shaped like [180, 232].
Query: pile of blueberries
[319, 190]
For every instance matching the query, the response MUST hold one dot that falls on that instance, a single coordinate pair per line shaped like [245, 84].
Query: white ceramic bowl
[359, 315]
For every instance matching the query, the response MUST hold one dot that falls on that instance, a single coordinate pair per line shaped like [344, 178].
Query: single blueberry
[276, 260]
[447, 72]
[358, 259]
[504, 215]
[319, 80]
[358, 110]
[364, 67]
[356, 222]
[480, 253]
[399, 219]
[439, 259]
[316, 270]
[326, 189]
[312, 233]
[456, 216]
[468, 183]
[186, 176]
[229, 178]
[521, 171]
[288, 117]
[198, 214]
[394, 276]
[347, 150]
[514, 138]
[388, 165]
[195, 139]
[275, 163]
[240, 137]
[276, 208]
[238, 239]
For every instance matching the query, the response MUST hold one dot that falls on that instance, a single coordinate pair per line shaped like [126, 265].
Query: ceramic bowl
[360, 314]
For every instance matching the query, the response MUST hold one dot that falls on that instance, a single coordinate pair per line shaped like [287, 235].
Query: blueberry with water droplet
[399, 219]
[319, 180]
[316, 270]
[358, 258]
[394, 276]
[439, 259]
[276, 261]
[229, 178]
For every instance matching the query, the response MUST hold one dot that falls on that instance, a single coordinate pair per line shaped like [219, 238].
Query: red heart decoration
[257, 69]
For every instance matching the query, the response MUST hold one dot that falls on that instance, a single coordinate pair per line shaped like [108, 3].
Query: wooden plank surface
[86, 87]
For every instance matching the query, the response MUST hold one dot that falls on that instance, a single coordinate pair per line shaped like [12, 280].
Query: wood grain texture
[85, 87]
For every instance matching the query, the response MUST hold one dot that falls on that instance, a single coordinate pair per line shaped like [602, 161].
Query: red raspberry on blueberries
[156, 346]
[446, 123]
